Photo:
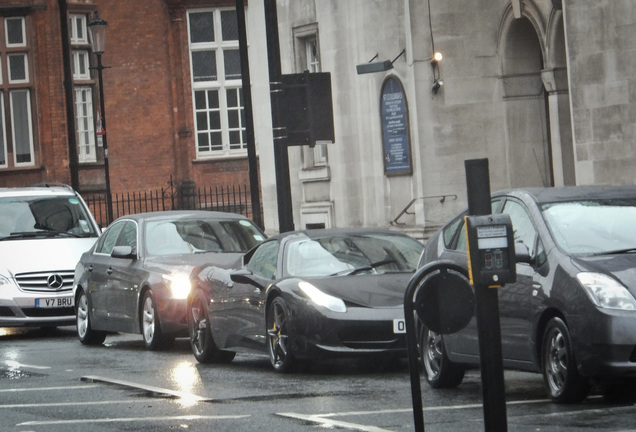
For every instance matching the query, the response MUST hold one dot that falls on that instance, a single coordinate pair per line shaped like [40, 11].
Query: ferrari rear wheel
[153, 335]
[439, 370]
[278, 343]
[201, 340]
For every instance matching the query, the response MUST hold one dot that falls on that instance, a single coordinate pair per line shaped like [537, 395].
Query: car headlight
[4, 281]
[606, 292]
[180, 285]
[322, 299]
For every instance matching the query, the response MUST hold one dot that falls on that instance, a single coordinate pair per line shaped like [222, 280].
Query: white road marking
[15, 364]
[133, 419]
[77, 404]
[329, 423]
[151, 389]
[47, 388]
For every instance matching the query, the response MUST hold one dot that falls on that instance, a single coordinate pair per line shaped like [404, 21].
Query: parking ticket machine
[491, 250]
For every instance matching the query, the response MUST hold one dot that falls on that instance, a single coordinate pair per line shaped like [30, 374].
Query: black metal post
[487, 311]
[252, 161]
[73, 162]
[281, 156]
[109, 201]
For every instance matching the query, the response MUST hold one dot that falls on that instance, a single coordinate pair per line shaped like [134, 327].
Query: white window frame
[30, 128]
[82, 89]
[6, 33]
[3, 135]
[81, 57]
[75, 21]
[85, 124]
[221, 85]
[26, 68]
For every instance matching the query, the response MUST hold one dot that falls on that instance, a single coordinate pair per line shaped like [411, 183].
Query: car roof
[183, 214]
[571, 193]
[317, 233]
[37, 191]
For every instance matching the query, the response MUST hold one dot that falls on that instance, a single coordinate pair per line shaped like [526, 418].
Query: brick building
[50, 95]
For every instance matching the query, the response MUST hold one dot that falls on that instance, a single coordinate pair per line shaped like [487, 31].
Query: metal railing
[233, 198]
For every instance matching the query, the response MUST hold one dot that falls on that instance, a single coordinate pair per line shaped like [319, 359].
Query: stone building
[545, 89]
[542, 88]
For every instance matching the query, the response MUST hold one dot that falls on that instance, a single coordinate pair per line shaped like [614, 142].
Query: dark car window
[524, 230]
[61, 214]
[128, 236]
[263, 261]
[374, 251]
[593, 226]
[197, 235]
[455, 233]
[108, 240]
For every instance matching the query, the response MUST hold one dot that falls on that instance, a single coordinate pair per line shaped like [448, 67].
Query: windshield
[182, 236]
[593, 227]
[347, 254]
[32, 217]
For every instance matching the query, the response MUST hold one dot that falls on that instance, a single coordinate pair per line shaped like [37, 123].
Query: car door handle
[109, 271]
[90, 268]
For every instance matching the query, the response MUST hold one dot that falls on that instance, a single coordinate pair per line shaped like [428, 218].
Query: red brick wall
[147, 96]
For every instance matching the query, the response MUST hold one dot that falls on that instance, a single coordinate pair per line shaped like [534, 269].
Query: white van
[43, 232]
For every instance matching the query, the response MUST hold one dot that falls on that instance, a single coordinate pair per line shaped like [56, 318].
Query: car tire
[203, 346]
[150, 325]
[439, 371]
[85, 332]
[278, 331]
[558, 365]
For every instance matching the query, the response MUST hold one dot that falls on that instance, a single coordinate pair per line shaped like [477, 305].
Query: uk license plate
[52, 303]
[399, 325]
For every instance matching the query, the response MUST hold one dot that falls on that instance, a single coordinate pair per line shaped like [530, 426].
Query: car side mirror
[243, 276]
[522, 254]
[123, 252]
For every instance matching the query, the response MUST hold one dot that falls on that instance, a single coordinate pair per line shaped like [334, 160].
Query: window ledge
[321, 173]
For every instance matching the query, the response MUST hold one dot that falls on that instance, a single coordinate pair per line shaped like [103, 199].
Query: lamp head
[97, 28]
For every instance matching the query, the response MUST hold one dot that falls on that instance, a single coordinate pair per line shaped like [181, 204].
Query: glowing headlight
[606, 292]
[320, 298]
[179, 285]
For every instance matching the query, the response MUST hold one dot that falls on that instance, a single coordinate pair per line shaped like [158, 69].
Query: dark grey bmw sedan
[571, 314]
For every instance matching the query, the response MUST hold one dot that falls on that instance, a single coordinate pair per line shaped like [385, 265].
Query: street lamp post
[97, 28]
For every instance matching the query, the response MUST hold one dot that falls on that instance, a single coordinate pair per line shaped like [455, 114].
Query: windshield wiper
[367, 267]
[33, 234]
[617, 252]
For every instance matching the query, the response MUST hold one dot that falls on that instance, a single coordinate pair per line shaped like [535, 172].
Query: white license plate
[399, 325]
[51, 303]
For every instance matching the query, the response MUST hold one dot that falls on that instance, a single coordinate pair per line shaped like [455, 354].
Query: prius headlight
[322, 299]
[179, 284]
[606, 292]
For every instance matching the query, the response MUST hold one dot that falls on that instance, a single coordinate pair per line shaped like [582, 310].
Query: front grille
[372, 336]
[43, 313]
[6, 312]
[46, 282]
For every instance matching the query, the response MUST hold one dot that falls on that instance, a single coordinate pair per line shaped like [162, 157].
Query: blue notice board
[395, 128]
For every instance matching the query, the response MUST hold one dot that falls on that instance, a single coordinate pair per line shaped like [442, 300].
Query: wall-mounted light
[379, 66]
[437, 84]
[437, 80]
[437, 57]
